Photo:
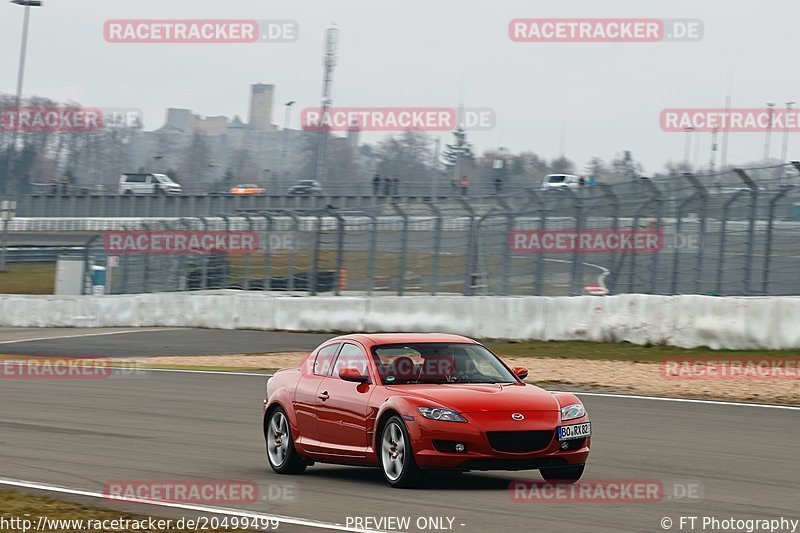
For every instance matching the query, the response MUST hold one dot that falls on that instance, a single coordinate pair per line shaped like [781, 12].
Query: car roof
[402, 338]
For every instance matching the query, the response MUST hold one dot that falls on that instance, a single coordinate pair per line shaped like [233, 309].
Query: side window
[351, 356]
[324, 360]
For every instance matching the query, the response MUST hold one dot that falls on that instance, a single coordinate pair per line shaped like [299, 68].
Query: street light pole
[785, 149]
[286, 123]
[770, 111]
[10, 184]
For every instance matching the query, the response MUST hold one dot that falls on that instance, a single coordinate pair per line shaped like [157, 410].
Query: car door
[305, 395]
[342, 406]
[152, 184]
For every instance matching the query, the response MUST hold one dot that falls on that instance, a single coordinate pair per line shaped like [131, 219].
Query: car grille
[519, 441]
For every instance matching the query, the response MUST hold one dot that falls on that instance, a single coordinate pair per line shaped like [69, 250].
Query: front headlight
[437, 413]
[572, 412]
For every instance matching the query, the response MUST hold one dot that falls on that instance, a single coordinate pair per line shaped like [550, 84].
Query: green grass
[614, 351]
[28, 278]
[15, 505]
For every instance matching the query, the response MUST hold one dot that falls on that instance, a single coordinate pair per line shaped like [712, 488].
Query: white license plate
[575, 431]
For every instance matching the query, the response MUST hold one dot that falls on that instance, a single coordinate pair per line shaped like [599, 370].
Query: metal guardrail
[41, 254]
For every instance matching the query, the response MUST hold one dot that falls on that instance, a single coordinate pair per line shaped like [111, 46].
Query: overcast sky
[433, 53]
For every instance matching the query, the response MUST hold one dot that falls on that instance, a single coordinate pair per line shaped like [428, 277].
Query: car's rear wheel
[397, 458]
[563, 474]
[282, 456]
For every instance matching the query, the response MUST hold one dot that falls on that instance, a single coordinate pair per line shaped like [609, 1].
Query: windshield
[401, 364]
[163, 178]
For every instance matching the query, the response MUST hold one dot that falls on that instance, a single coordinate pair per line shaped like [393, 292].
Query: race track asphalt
[130, 342]
[742, 460]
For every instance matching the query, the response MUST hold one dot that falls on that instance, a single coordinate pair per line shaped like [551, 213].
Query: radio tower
[328, 63]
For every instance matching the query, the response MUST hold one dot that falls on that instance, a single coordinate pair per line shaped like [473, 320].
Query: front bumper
[433, 442]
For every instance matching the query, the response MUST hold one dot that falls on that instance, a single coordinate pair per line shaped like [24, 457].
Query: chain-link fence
[735, 233]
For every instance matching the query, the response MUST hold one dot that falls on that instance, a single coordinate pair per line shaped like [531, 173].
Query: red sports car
[411, 402]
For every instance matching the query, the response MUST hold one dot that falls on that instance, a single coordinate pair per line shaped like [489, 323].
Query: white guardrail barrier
[685, 321]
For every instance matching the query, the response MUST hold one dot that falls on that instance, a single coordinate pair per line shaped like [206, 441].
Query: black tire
[565, 474]
[409, 473]
[128, 192]
[288, 461]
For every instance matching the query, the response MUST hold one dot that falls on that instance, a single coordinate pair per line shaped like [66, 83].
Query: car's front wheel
[282, 456]
[563, 474]
[397, 458]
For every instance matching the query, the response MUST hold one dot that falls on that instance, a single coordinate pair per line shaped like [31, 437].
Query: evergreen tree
[461, 150]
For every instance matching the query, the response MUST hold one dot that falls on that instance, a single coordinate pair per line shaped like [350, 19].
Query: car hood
[476, 398]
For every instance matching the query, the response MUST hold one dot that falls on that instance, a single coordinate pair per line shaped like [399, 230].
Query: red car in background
[411, 402]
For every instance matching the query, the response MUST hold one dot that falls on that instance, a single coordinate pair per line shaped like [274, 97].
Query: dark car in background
[306, 188]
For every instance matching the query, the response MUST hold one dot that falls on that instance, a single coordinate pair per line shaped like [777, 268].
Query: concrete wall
[685, 321]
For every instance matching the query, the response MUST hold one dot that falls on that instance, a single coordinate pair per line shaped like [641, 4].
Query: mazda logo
[518, 416]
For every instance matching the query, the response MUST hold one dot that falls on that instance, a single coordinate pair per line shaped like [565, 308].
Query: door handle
[324, 396]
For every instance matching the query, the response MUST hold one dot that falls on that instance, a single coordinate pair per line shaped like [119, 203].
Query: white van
[141, 183]
[561, 181]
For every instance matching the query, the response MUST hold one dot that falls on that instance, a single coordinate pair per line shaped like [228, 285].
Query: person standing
[396, 185]
[464, 185]
[376, 185]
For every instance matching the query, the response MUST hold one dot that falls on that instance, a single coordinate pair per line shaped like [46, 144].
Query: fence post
[266, 284]
[538, 275]
[146, 269]
[373, 251]
[314, 270]
[700, 191]
[635, 227]
[751, 230]
[614, 200]
[723, 227]
[204, 276]
[293, 261]
[437, 246]
[468, 263]
[339, 262]
[186, 224]
[506, 257]
[247, 256]
[576, 276]
[124, 262]
[403, 249]
[768, 249]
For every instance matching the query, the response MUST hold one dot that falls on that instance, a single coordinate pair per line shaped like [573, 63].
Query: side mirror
[520, 371]
[353, 374]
